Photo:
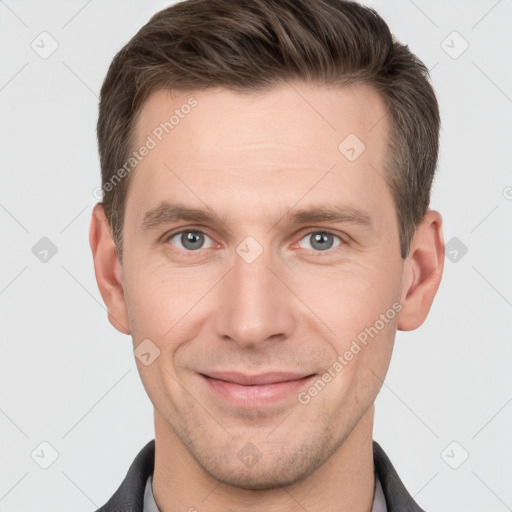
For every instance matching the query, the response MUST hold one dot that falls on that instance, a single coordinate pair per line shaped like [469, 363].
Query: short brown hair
[253, 45]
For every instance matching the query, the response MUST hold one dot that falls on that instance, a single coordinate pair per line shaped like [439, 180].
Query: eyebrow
[335, 213]
[167, 213]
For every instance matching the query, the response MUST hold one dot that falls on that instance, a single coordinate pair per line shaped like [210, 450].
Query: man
[266, 169]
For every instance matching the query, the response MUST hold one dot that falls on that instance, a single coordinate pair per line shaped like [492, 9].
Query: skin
[249, 159]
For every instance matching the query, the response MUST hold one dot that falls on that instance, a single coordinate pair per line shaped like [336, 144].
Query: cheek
[159, 298]
[356, 308]
[350, 298]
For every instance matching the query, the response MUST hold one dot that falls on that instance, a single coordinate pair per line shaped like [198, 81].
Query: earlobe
[108, 270]
[423, 269]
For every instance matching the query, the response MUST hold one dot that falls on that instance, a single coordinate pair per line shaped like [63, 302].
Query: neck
[344, 482]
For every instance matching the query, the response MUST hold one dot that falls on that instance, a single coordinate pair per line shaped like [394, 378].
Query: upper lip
[255, 380]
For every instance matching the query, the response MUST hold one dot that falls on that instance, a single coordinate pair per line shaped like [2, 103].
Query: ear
[423, 269]
[108, 269]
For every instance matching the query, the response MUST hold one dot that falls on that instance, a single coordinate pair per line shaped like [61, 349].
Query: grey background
[69, 379]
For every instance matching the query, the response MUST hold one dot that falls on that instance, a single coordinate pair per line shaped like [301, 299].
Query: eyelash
[168, 237]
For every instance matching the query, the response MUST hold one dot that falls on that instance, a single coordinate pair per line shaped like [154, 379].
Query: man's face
[251, 307]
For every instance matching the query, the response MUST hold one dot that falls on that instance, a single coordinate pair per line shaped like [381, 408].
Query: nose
[255, 306]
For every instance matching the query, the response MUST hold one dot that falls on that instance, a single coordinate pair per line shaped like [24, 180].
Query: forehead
[228, 143]
[222, 118]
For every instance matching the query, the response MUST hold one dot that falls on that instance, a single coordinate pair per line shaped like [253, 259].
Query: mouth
[255, 391]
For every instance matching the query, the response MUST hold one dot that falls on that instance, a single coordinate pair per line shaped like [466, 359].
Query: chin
[278, 466]
[267, 476]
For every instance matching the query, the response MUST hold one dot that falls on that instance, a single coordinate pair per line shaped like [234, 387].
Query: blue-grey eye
[320, 240]
[190, 240]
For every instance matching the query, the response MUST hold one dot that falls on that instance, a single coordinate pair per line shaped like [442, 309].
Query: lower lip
[258, 395]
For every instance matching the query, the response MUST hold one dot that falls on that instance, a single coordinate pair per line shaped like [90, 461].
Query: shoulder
[129, 497]
[397, 496]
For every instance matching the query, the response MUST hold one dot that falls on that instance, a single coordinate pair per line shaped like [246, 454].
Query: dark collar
[397, 497]
[130, 495]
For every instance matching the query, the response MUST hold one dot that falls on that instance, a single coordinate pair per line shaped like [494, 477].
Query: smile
[255, 391]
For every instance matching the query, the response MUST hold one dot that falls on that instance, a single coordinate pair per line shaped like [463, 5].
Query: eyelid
[310, 231]
[175, 231]
[302, 234]
[171, 234]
